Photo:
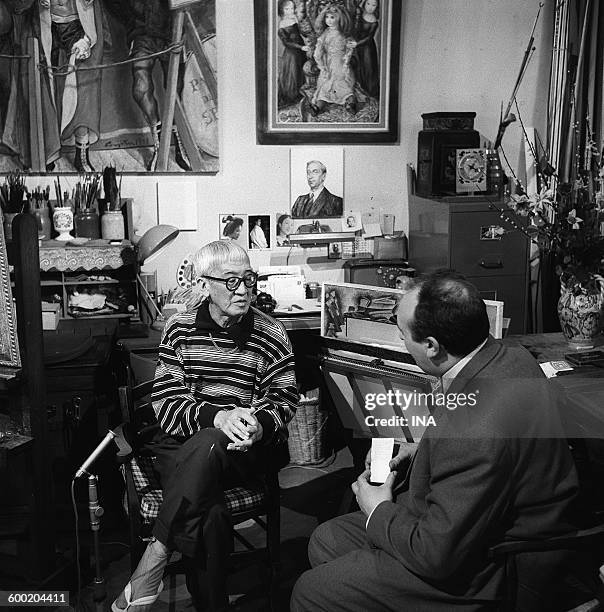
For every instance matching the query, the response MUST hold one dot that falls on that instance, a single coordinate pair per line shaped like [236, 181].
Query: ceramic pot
[8, 225]
[87, 224]
[580, 317]
[112, 225]
[62, 220]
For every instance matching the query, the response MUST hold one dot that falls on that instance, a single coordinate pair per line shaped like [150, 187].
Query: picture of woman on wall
[366, 61]
[285, 227]
[232, 227]
[336, 83]
[291, 77]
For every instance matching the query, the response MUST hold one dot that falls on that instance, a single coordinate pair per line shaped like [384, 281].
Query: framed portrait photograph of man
[317, 182]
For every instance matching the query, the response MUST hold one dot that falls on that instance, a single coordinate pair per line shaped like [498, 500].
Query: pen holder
[112, 225]
[62, 220]
[87, 224]
[44, 225]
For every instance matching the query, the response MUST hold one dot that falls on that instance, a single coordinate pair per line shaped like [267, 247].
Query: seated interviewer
[490, 470]
[223, 394]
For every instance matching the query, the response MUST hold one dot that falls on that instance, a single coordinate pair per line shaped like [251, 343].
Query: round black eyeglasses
[232, 283]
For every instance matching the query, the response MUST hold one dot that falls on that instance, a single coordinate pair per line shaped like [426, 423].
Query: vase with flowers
[567, 223]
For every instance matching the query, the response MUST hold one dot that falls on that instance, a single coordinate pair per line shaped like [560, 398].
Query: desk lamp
[147, 245]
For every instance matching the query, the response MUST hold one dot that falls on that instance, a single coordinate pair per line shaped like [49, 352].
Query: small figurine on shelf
[265, 302]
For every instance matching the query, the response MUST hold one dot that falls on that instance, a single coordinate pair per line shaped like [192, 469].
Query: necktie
[437, 389]
[309, 202]
[437, 385]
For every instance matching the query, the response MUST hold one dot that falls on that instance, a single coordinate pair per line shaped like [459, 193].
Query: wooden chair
[143, 495]
[535, 572]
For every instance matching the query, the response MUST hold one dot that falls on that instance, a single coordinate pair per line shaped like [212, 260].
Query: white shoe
[142, 604]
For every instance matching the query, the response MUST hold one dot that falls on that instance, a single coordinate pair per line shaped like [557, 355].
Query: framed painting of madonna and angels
[327, 71]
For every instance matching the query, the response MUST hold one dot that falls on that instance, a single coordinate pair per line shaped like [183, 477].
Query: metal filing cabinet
[465, 234]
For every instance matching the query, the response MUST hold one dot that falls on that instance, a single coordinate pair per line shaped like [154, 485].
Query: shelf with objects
[93, 280]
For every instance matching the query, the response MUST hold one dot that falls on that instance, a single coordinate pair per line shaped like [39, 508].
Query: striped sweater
[201, 371]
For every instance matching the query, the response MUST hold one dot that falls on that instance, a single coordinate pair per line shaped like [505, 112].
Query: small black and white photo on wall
[284, 227]
[234, 227]
[351, 222]
[259, 231]
[335, 250]
[317, 182]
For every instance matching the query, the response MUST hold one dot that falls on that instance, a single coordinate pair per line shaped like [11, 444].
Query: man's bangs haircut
[451, 310]
[213, 255]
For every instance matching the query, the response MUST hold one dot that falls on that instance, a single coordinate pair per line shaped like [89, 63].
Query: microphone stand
[96, 511]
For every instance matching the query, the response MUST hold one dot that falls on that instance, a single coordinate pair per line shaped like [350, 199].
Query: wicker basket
[307, 432]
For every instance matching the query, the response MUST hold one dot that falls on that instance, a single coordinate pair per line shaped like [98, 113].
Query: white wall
[464, 55]
[457, 55]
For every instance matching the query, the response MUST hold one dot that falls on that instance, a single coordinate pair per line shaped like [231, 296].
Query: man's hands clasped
[241, 427]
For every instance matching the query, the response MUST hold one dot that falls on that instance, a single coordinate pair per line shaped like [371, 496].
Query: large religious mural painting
[90, 83]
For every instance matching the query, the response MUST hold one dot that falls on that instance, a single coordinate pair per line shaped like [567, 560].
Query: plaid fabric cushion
[238, 499]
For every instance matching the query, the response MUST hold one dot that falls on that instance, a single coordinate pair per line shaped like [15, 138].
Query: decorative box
[437, 146]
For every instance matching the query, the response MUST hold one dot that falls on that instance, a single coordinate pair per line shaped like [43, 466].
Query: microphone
[95, 453]
[94, 508]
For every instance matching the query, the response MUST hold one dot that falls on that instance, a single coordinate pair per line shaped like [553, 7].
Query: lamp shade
[153, 240]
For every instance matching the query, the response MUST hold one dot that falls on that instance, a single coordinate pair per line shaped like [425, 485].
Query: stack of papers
[553, 368]
[306, 306]
[284, 287]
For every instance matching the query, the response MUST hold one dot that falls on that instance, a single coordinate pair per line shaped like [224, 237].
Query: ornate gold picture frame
[9, 345]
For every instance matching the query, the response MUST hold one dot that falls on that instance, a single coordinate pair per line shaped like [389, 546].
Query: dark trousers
[193, 517]
[350, 575]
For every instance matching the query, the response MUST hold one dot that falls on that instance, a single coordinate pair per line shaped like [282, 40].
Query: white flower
[543, 200]
[573, 219]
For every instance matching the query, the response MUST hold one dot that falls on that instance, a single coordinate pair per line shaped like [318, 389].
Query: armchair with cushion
[143, 496]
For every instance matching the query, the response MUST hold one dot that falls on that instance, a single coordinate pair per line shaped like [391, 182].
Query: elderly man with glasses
[224, 392]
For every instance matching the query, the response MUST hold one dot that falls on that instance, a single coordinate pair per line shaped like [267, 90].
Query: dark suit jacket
[500, 470]
[326, 205]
